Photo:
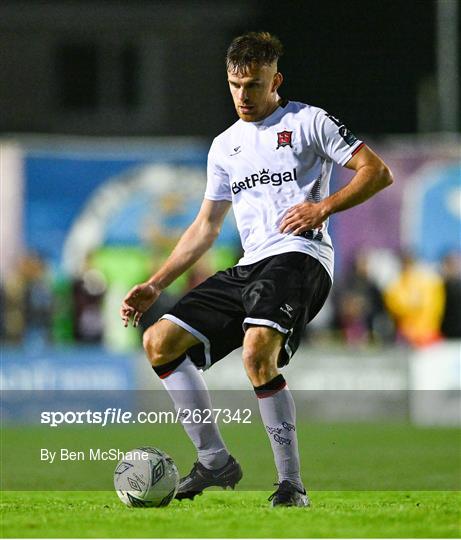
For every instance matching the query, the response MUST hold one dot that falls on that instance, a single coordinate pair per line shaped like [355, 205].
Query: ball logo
[157, 472]
[134, 485]
[284, 139]
[122, 467]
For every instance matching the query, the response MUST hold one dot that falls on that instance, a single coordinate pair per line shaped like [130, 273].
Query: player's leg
[164, 342]
[284, 293]
[166, 345]
[261, 350]
[203, 327]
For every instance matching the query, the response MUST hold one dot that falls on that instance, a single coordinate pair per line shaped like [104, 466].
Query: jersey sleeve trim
[354, 149]
[217, 198]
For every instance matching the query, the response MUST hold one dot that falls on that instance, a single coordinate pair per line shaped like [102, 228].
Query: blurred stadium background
[108, 110]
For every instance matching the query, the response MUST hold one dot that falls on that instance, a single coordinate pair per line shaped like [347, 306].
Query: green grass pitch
[233, 514]
[365, 480]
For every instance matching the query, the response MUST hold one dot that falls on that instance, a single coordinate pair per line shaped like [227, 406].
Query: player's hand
[303, 217]
[137, 301]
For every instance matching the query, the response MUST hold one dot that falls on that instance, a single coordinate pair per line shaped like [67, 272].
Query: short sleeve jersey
[266, 167]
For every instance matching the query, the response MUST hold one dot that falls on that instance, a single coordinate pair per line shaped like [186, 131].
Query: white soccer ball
[146, 477]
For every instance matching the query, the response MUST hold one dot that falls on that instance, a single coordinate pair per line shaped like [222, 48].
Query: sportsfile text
[113, 415]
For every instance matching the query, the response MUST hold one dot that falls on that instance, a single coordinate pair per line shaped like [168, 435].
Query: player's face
[255, 91]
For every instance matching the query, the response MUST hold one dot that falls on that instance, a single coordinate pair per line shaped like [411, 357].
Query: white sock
[278, 414]
[188, 390]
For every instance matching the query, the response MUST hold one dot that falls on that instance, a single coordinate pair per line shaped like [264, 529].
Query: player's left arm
[371, 175]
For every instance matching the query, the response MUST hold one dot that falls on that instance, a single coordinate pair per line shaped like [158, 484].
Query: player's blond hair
[260, 48]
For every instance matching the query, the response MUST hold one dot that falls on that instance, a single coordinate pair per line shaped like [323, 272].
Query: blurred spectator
[88, 294]
[360, 313]
[27, 300]
[451, 274]
[2, 312]
[416, 301]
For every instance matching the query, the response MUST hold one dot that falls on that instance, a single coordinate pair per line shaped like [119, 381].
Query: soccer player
[273, 166]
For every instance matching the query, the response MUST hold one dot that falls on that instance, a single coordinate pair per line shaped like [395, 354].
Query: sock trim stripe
[167, 369]
[270, 393]
[165, 375]
[271, 387]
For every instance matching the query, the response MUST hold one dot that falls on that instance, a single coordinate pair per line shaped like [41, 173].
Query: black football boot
[288, 495]
[201, 478]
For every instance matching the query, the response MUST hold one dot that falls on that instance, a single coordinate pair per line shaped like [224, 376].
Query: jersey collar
[274, 116]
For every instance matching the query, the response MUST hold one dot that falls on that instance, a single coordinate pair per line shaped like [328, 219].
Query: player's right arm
[195, 241]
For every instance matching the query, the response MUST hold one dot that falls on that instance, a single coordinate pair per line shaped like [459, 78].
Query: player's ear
[278, 80]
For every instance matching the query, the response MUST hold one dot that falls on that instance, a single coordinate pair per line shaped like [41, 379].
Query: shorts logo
[284, 139]
[264, 177]
[288, 310]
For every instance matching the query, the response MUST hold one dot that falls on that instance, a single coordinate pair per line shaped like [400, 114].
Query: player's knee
[258, 364]
[150, 341]
[261, 348]
[155, 343]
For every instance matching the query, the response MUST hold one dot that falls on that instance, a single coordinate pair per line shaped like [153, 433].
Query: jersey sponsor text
[264, 177]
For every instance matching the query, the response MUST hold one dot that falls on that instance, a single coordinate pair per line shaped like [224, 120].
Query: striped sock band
[270, 388]
[167, 369]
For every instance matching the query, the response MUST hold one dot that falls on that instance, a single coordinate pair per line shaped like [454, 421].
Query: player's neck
[274, 106]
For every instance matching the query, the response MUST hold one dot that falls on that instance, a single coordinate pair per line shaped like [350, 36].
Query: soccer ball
[146, 477]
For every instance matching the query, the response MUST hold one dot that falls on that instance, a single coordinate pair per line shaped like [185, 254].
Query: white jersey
[266, 167]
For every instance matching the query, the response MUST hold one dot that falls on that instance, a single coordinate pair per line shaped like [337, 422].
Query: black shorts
[284, 292]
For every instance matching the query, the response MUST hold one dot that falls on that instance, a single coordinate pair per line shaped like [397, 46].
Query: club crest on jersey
[284, 139]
